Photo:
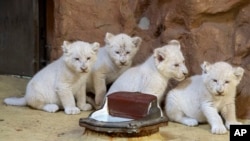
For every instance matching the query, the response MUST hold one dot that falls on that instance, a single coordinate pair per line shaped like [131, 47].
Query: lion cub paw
[232, 123]
[190, 122]
[219, 129]
[86, 107]
[52, 108]
[72, 110]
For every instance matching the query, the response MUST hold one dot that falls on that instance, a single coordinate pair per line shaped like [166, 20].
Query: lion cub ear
[205, 67]
[175, 43]
[108, 36]
[159, 55]
[95, 46]
[238, 72]
[65, 46]
[136, 41]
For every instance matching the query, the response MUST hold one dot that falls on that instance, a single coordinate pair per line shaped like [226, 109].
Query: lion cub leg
[100, 89]
[67, 99]
[38, 104]
[228, 113]
[36, 99]
[175, 113]
[81, 99]
[213, 119]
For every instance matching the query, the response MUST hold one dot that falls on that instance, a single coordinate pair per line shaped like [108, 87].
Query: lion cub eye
[176, 65]
[214, 80]
[226, 82]
[88, 58]
[77, 59]
[117, 52]
[127, 52]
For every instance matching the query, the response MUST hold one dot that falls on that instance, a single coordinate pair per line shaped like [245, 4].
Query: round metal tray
[115, 126]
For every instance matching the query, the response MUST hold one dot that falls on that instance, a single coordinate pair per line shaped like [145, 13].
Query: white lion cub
[58, 84]
[201, 98]
[113, 59]
[152, 76]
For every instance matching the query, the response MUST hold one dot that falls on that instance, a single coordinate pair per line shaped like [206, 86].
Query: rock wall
[214, 30]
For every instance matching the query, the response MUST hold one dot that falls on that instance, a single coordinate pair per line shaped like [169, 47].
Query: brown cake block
[133, 105]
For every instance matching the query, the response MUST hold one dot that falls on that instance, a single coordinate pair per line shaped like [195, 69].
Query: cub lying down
[58, 84]
[152, 76]
[200, 97]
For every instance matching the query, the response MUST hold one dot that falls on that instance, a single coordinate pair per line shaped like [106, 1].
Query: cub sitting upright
[113, 59]
[56, 85]
[201, 97]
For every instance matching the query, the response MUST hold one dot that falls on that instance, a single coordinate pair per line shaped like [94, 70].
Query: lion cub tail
[15, 101]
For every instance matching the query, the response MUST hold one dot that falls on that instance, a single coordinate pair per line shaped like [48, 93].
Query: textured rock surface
[208, 30]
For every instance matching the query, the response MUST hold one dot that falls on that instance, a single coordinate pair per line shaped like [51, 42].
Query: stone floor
[26, 124]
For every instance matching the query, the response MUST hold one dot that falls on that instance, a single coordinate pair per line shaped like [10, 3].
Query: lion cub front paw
[232, 123]
[72, 110]
[85, 107]
[219, 129]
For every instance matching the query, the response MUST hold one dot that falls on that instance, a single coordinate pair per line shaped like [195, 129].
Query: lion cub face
[79, 56]
[220, 77]
[122, 48]
[170, 61]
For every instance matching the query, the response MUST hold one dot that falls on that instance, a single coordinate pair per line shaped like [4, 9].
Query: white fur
[201, 98]
[60, 82]
[113, 59]
[152, 76]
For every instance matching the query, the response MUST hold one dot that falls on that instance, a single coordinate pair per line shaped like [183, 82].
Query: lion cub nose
[84, 69]
[219, 92]
[123, 62]
[185, 73]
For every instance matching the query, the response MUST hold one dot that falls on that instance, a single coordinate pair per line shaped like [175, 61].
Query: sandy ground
[26, 124]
